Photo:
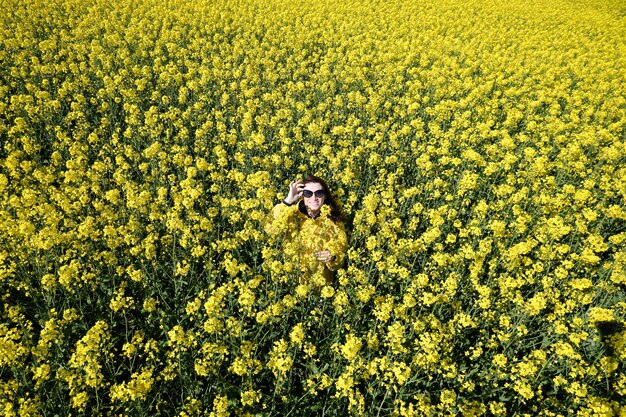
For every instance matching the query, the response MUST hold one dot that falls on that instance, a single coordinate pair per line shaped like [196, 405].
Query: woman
[313, 231]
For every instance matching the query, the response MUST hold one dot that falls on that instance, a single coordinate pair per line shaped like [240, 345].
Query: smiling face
[314, 202]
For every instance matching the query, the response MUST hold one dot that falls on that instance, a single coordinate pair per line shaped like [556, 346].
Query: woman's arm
[280, 219]
[282, 216]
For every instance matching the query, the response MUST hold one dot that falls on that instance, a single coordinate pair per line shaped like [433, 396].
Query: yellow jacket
[303, 236]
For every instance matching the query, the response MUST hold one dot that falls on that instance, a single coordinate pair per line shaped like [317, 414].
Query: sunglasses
[309, 193]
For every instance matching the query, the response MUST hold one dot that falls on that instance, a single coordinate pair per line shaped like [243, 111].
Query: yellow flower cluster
[477, 150]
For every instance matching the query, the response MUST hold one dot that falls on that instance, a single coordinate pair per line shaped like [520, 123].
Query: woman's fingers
[323, 256]
[295, 188]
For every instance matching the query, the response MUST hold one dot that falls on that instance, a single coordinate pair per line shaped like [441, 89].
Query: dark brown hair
[335, 213]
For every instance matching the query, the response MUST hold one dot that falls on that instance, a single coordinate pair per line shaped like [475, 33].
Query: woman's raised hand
[295, 192]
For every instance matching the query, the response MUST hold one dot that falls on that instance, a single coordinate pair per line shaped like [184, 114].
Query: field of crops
[477, 148]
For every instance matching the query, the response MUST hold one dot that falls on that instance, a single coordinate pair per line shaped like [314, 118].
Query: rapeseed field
[477, 148]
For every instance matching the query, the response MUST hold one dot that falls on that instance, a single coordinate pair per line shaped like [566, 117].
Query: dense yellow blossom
[476, 148]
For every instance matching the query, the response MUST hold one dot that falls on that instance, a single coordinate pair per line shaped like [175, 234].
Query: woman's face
[316, 196]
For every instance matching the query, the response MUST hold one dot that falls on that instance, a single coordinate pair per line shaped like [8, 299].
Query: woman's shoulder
[280, 217]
